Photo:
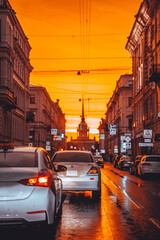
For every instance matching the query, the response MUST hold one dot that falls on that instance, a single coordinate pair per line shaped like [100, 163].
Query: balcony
[154, 75]
[7, 98]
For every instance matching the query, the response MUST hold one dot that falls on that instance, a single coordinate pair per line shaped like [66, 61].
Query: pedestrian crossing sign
[147, 133]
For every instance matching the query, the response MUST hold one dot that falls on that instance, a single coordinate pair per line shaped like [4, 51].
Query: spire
[83, 118]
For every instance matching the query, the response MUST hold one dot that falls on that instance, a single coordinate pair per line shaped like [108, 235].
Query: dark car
[99, 160]
[117, 157]
[124, 162]
[133, 167]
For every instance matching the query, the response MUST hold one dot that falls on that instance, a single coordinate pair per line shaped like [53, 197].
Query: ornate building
[83, 142]
[47, 128]
[117, 125]
[144, 47]
[15, 70]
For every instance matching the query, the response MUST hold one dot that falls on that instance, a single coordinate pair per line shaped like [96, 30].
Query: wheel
[96, 195]
[142, 175]
[59, 213]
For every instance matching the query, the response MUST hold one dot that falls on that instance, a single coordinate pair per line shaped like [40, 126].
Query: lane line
[137, 205]
[155, 221]
[114, 184]
[124, 192]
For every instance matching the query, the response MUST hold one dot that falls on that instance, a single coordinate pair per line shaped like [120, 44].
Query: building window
[130, 83]
[32, 99]
[130, 124]
[129, 101]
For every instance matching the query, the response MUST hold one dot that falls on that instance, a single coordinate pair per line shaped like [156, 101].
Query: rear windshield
[153, 159]
[126, 159]
[72, 157]
[18, 159]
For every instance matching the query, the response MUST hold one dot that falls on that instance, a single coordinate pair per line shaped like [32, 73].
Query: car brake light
[146, 164]
[40, 181]
[93, 170]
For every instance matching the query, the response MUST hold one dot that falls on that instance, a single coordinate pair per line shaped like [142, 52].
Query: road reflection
[81, 217]
[115, 216]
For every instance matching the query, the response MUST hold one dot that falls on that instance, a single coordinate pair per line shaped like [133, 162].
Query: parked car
[133, 167]
[116, 159]
[83, 174]
[149, 164]
[124, 162]
[30, 189]
[99, 160]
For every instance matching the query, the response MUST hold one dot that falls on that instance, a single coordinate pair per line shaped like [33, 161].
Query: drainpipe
[156, 87]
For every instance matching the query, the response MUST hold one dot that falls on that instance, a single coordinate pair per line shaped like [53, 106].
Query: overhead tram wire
[75, 35]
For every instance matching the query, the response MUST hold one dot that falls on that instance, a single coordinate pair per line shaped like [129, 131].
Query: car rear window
[18, 159]
[72, 157]
[153, 159]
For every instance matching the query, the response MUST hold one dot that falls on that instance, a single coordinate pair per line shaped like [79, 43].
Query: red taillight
[146, 164]
[43, 211]
[93, 170]
[41, 181]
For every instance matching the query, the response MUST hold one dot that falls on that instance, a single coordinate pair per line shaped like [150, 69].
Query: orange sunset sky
[78, 35]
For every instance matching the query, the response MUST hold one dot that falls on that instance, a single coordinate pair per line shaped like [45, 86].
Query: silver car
[149, 164]
[30, 189]
[83, 174]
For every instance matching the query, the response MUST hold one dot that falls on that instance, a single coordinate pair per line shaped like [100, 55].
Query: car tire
[96, 195]
[59, 214]
[142, 175]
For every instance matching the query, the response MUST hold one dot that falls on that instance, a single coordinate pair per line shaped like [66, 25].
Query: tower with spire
[83, 130]
[83, 142]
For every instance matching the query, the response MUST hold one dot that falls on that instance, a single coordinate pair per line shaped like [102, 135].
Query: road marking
[114, 184]
[124, 192]
[155, 221]
[137, 205]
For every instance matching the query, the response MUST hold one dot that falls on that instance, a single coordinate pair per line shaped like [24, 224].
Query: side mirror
[60, 168]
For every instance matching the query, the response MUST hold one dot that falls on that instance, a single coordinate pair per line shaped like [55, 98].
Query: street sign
[47, 143]
[128, 145]
[145, 144]
[48, 148]
[111, 125]
[112, 131]
[102, 136]
[53, 131]
[147, 140]
[115, 148]
[128, 139]
[147, 133]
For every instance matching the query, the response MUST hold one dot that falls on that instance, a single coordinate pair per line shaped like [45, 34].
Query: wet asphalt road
[129, 209]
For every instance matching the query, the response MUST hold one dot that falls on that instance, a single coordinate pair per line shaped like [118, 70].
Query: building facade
[117, 125]
[47, 121]
[144, 47]
[15, 70]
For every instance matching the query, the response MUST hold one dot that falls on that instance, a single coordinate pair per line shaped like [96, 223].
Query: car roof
[23, 149]
[80, 151]
[151, 156]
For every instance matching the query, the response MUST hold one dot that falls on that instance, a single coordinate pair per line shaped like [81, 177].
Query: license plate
[71, 173]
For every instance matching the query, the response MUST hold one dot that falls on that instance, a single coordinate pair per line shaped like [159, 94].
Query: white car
[149, 164]
[30, 189]
[83, 174]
